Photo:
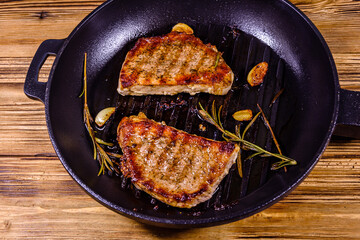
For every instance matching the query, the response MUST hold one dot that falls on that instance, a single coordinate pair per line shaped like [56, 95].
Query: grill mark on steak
[168, 69]
[149, 67]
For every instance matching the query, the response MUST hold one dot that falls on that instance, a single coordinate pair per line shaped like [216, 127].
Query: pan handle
[32, 87]
[348, 123]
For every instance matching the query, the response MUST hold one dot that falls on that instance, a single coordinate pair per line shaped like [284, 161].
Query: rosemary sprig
[99, 153]
[250, 124]
[215, 120]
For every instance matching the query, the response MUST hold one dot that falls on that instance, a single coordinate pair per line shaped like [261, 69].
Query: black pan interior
[247, 32]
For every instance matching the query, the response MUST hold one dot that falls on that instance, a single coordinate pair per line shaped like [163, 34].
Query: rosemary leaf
[115, 155]
[217, 60]
[250, 124]
[277, 95]
[214, 113]
[102, 167]
[94, 144]
[281, 164]
[206, 117]
[82, 93]
[239, 164]
[84, 88]
[252, 155]
[98, 140]
[226, 138]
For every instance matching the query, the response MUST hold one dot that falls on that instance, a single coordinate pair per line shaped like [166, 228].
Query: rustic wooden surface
[38, 199]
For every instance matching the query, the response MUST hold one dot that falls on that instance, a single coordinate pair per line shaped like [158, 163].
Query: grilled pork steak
[177, 168]
[173, 63]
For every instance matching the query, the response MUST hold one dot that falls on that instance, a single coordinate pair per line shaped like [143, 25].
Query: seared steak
[177, 168]
[173, 63]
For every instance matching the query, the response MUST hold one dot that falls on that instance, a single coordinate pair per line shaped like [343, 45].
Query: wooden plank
[49, 19]
[22, 123]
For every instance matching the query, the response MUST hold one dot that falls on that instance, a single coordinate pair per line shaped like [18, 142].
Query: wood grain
[39, 200]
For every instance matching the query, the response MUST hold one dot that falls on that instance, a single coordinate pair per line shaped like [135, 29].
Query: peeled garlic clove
[104, 115]
[257, 74]
[243, 115]
[182, 27]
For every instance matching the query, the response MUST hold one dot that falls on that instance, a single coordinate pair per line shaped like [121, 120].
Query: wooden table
[38, 199]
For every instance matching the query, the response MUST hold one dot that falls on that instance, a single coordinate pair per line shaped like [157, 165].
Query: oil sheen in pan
[241, 52]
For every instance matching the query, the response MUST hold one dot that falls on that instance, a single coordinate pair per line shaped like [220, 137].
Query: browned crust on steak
[171, 165]
[175, 59]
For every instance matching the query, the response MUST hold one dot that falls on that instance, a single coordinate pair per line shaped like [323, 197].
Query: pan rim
[199, 221]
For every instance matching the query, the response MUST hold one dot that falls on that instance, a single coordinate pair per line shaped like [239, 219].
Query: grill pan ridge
[241, 51]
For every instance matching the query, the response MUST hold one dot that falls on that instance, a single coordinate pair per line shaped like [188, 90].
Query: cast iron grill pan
[241, 52]
[303, 118]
